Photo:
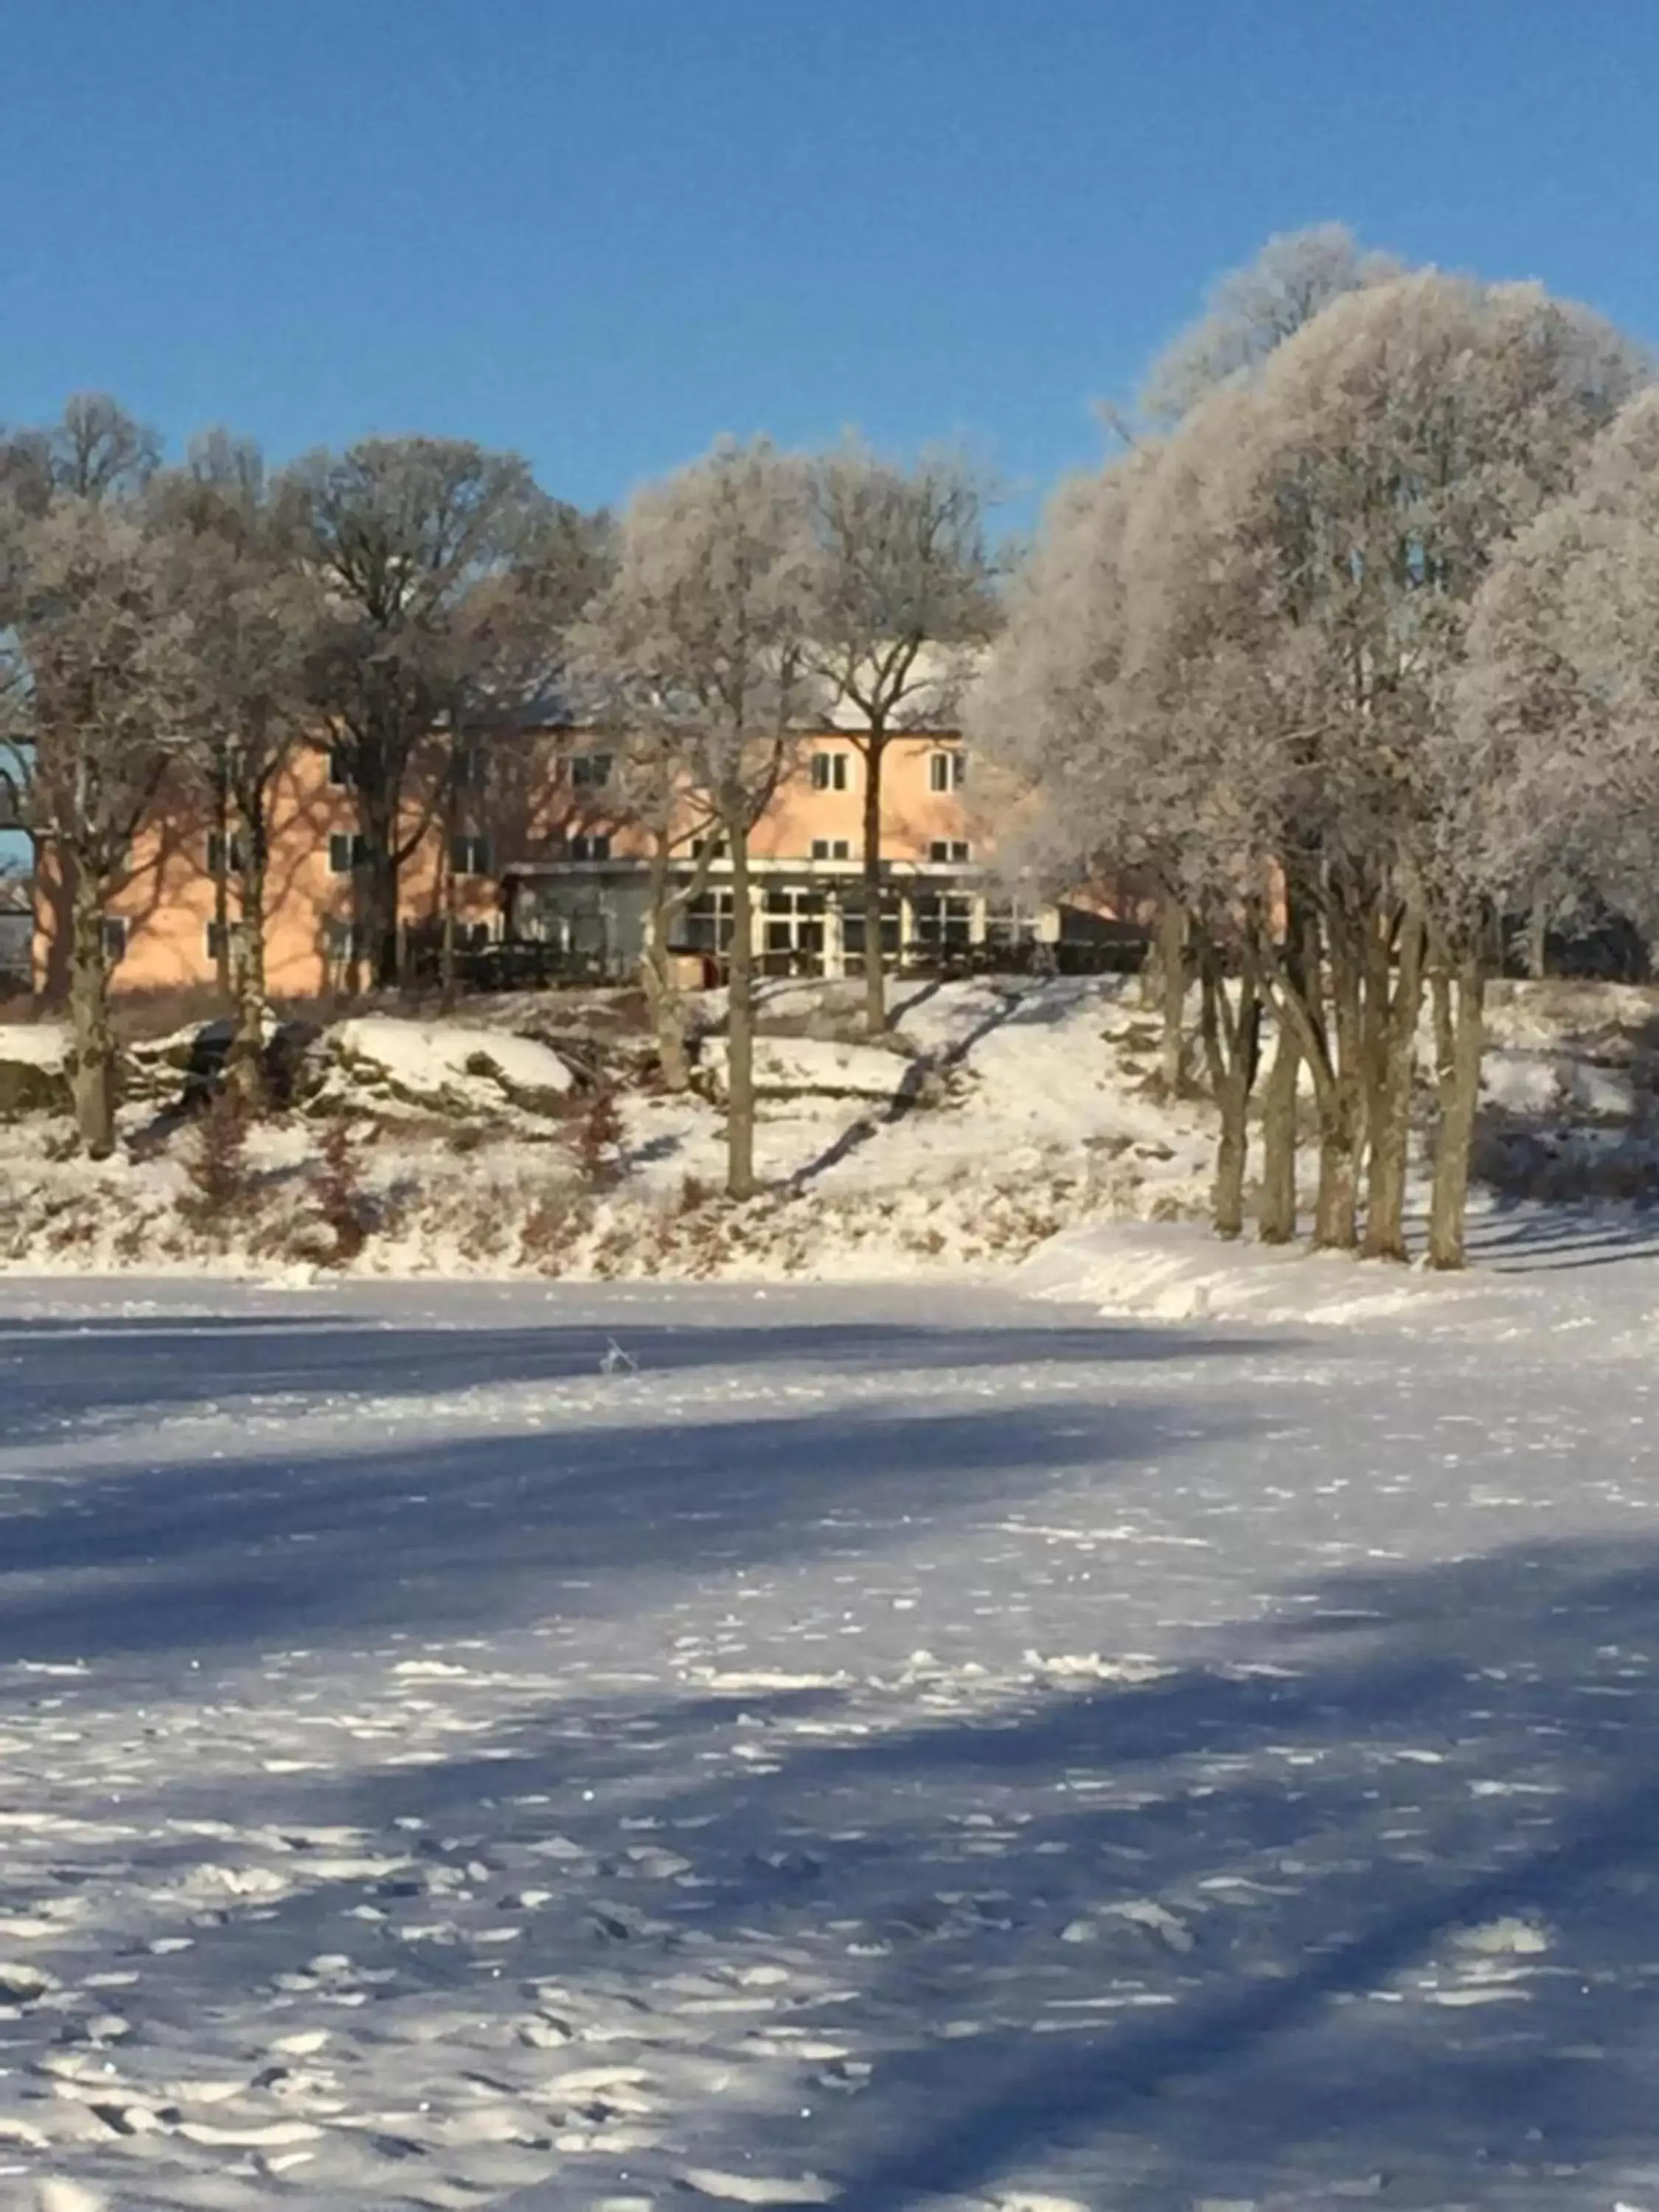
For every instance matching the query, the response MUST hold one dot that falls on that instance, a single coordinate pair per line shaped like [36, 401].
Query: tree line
[175, 634]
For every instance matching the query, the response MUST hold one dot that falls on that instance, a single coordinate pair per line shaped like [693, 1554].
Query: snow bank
[1178, 1271]
[431, 1060]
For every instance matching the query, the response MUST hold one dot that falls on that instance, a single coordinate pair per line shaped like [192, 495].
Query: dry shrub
[554, 1226]
[341, 1206]
[695, 1194]
[599, 1139]
[222, 1185]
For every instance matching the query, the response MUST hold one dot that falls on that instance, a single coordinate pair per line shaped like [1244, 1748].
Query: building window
[590, 846]
[339, 768]
[947, 771]
[347, 940]
[347, 849]
[590, 771]
[226, 937]
[831, 848]
[852, 927]
[113, 930]
[794, 922]
[943, 918]
[468, 855]
[471, 936]
[832, 771]
[472, 769]
[708, 926]
[225, 859]
[712, 848]
[946, 849]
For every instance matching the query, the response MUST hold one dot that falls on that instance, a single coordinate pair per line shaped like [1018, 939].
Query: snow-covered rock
[804, 1068]
[34, 1058]
[450, 1061]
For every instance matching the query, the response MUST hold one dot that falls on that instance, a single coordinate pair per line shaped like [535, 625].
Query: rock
[28, 1088]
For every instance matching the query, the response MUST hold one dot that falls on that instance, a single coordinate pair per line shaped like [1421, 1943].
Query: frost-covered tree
[99, 692]
[704, 635]
[905, 594]
[1396, 445]
[1253, 309]
[1269, 668]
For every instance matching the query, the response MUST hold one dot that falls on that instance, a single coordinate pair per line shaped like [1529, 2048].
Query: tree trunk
[875, 966]
[245, 1067]
[1462, 1030]
[221, 961]
[1232, 1047]
[1538, 933]
[662, 994]
[1172, 992]
[1277, 1211]
[1396, 1040]
[93, 1043]
[1336, 1218]
[740, 1021]
[377, 883]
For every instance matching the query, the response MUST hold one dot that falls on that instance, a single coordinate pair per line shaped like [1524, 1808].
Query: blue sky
[603, 232]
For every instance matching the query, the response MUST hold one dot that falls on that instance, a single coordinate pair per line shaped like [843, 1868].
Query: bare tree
[704, 635]
[906, 594]
[99, 692]
[398, 533]
[253, 620]
[508, 669]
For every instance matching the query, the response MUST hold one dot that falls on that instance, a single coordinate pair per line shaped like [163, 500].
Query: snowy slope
[908, 1757]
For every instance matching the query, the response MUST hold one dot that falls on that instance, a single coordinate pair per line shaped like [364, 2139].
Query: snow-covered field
[575, 1748]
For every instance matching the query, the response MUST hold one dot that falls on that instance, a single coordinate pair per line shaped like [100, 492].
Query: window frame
[832, 771]
[470, 854]
[581, 770]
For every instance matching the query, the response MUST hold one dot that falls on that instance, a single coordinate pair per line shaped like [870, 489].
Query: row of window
[593, 771]
[469, 855]
[793, 921]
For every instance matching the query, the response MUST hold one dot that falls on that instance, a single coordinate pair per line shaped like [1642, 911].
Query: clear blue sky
[603, 231]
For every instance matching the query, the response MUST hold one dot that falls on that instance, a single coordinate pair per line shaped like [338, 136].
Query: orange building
[527, 840]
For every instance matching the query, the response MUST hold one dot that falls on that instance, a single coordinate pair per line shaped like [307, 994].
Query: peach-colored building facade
[530, 844]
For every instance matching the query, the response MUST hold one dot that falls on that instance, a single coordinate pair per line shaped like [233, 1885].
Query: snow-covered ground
[1004, 1111]
[571, 1749]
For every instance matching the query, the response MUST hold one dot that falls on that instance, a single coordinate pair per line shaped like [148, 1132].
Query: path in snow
[902, 1753]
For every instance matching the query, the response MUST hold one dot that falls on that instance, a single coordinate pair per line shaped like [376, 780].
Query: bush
[221, 1182]
[341, 1206]
[599, 1139]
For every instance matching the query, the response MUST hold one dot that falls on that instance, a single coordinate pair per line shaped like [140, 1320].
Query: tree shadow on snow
[62, 1377]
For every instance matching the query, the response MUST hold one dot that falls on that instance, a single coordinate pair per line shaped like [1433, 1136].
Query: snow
[793, 1066]
[431, 1059]
[953, 1753]
[34, 1044]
